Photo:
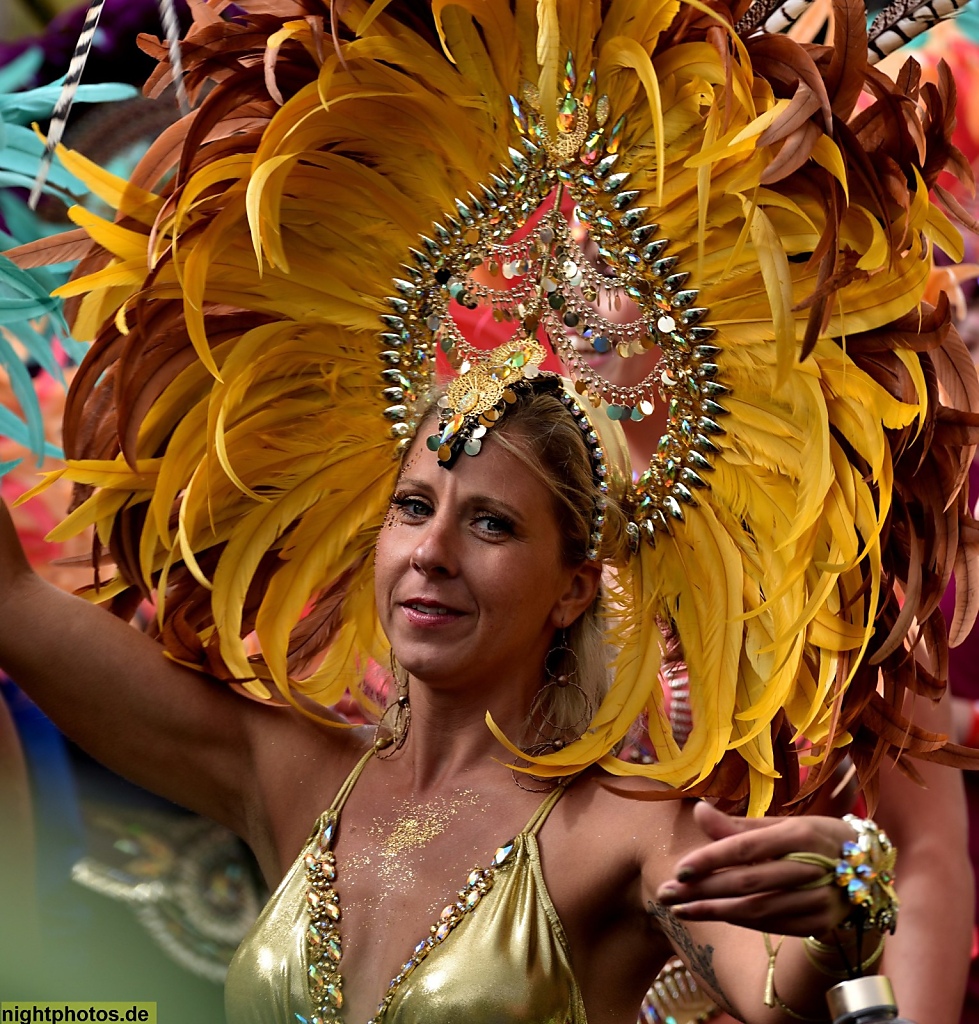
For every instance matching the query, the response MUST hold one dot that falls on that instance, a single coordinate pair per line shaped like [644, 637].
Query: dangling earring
[561, 669]
[398, 712]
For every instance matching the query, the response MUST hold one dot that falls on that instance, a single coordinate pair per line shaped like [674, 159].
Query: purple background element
[114, 57]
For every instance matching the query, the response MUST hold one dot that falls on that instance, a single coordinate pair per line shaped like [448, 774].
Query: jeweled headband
[477, 399]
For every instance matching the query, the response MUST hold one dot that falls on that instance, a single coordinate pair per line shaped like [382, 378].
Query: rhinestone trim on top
[478, 884]
[599, 473]
[552, 286]
[323, 946]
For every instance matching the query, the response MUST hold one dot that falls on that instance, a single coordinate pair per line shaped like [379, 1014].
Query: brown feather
[794, 152]
[848, 57]
[787, 65]
[62, 248]
[955, 209]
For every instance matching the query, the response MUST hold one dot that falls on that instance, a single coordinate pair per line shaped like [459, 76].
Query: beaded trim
[599, 473]
[550, 286]
[478, 884]
[323, 946]
[324, 949]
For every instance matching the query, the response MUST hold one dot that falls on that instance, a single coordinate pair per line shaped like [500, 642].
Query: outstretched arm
[111, 689]
[726, 893]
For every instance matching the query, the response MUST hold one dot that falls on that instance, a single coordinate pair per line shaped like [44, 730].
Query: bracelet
[810, 946]
[972, 737]
[866, 872]
[772, 999]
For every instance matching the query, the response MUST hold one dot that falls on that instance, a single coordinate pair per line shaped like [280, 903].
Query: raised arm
[112, 690]
[724, 896]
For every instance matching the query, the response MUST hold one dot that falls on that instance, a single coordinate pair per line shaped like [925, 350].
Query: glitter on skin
[414, 827]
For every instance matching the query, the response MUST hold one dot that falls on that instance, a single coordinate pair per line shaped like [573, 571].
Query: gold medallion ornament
[454, 198]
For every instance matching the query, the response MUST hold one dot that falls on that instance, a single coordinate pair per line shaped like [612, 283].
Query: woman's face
[470, 581]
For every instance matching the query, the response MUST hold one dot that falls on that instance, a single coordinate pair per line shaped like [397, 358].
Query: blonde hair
[539, 430]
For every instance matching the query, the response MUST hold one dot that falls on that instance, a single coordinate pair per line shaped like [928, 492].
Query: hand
[741, 878]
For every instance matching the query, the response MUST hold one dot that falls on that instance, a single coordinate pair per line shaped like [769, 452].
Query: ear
[582, 588]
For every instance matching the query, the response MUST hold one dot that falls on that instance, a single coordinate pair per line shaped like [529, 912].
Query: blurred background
[106, 892]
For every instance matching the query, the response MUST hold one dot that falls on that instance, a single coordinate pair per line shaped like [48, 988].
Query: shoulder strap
[347, 788]
[547, 805]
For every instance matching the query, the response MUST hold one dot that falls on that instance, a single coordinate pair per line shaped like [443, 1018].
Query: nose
[435, 553]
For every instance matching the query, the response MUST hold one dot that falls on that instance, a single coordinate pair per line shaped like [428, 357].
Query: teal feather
[29, 316]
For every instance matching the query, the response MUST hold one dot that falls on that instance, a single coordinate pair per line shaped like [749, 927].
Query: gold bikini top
[497, 953]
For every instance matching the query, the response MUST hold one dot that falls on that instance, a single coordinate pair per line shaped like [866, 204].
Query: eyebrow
[492, 504]
[407, 481]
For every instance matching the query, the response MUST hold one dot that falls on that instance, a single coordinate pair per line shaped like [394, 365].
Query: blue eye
[410, 506]
[494, 524]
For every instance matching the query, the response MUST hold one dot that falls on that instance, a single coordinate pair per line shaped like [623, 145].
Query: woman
[267, 324]
[480, 571]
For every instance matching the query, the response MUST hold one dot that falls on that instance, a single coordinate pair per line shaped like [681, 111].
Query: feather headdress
[264, 319]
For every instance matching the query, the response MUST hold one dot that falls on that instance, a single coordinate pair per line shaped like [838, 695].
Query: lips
[429, 613]
[429, 609]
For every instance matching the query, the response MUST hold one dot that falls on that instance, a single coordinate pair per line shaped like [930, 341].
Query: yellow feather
[622, 52]
[548, 58]
[827, 154]
[775, 272]
[128, 199]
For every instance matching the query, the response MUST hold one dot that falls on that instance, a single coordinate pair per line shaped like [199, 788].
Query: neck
[448, 738]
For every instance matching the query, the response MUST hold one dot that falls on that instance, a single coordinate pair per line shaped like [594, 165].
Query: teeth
[429, 609]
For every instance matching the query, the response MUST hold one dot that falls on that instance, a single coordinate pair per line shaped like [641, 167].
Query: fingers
[738, 842]
[740, 876]
[719, 825]
[746, 880]
[768, 895]
[792, 912]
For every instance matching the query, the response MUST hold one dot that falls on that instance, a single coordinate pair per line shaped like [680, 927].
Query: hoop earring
[398, 712]
[546, 784]
[561, 668]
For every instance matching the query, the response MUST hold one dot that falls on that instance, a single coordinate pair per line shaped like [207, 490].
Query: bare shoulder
[298, 765]
[654, 828]
[638, 823]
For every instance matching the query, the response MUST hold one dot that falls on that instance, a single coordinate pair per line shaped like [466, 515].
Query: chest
[562, 911]
[497, 946]
[403, 871]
